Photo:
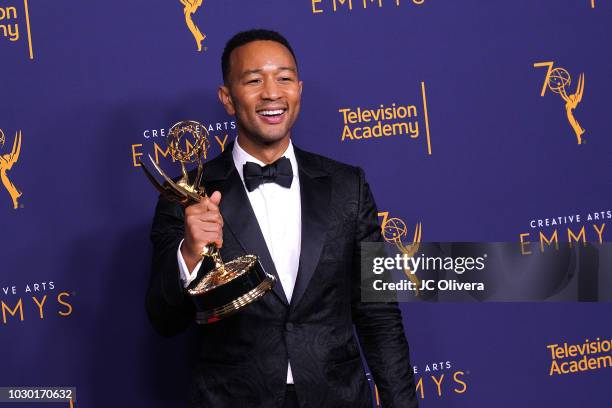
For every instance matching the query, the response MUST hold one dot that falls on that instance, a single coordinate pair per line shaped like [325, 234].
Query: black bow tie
[279, 172]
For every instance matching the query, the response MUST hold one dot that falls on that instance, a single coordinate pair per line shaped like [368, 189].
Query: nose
[271, 90]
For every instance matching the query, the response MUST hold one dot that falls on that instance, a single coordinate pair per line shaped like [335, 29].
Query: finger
[208, 238]
[203, 204]
[211, 216]
[211, 205]
[210, 227]
[216, 197]
[194, 210]
[198, 207]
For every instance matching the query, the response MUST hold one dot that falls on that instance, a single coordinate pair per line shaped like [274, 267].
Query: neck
[267, 153]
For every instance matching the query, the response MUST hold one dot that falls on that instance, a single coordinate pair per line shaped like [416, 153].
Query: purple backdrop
[92, 86]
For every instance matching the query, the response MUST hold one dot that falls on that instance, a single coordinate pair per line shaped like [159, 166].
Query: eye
[253, 81]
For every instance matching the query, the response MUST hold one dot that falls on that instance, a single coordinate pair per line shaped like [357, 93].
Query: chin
[271, 138]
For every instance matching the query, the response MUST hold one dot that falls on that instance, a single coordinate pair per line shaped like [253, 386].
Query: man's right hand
[203, 226]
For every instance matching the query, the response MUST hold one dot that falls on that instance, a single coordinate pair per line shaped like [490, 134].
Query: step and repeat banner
[473, 120]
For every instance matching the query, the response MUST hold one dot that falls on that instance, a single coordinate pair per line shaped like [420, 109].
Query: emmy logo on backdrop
[190, 7]
[558, 80]
[6, 163]
[394, 231]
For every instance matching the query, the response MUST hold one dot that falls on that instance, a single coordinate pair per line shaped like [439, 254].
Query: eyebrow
[257, 71]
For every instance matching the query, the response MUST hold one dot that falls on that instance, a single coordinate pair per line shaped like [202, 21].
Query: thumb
[216, 197]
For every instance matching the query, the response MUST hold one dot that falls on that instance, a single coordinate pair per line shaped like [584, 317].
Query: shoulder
[325, 166]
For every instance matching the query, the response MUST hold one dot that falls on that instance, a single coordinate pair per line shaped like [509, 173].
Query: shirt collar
[240, 157]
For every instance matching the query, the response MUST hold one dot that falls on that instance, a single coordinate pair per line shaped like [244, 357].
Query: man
[296, 345]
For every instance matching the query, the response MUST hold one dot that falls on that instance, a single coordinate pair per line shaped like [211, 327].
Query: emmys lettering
[35, 306]
[231, 285]
[7, 161]
[219, 130]
[436, 379]
[321, 6]
[557, 80]
[442, 384]
[567, 226]
[37, 302]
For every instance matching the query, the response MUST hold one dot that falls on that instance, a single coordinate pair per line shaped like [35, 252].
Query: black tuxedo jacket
[243, 359]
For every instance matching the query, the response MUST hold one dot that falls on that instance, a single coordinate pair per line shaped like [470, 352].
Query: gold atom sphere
[195, 148]
[394, 229]
[559, 78]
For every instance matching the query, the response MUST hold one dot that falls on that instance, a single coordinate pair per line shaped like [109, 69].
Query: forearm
[381, 334]
[168, 305]
[379, 325]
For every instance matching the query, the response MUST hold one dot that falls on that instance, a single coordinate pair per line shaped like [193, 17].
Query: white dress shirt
[278, 212]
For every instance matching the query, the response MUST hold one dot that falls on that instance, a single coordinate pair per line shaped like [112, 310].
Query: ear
[300, 83]
[226, 99]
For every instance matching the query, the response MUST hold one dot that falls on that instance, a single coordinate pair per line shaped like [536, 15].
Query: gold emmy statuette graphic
[190, 7]
[229, 286]
[6, 163]
[394, 230]
[558, 80]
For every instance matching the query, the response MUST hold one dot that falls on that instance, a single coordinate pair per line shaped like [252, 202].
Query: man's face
[263, 91]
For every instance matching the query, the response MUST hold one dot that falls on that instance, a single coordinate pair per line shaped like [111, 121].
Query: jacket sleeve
[379, 325]
[169, 307]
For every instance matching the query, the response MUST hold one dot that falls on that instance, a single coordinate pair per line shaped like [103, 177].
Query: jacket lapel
[315, 192]
[238, 215]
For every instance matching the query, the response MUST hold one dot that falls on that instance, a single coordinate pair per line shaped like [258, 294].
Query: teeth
[272, 112]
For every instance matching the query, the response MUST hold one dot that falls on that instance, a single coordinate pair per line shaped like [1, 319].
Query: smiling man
[305, 216]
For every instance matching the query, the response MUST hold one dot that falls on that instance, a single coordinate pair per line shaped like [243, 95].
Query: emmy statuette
[229, 286]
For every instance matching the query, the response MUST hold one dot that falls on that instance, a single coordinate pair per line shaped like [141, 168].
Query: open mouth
[272, 116]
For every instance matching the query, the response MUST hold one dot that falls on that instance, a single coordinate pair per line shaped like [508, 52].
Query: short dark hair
[245, 37]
